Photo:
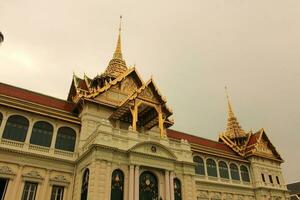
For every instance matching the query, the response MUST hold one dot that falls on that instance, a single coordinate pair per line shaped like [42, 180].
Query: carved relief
[128, 85]
[33, 174]
[6, 170]
[60, 178]
[262, 147]
[148, 94]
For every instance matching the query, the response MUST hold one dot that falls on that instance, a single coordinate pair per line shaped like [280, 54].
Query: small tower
[234, 136]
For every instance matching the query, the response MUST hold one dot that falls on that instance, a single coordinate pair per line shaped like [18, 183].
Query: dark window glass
[3, 187]
[57, 193]
[29, 191]
[263, 177]
[41, 134]
[16, 128]
[277, 179]
[117, 185]
[85, 185]
[234, 172]
[177, 189]
[223, 170]
[211, 167]
[270, 178]
[245, 174]
[199, 168]
[66, 138]
[148, 188]
[1, 118]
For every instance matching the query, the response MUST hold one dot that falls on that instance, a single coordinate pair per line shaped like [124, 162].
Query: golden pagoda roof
[233, 129]
[117, 64]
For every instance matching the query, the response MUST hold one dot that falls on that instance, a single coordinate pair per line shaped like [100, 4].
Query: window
[29, 191]
[57, 193]
[199, 168]
[263, 177]
[3, 187]
[277, 179]
[245, 174]
[177, 189]
[85, 184]
[16, 128]
[234, 172]
[1, 118]
[66, 138]
[117, 185]
[270, 178]
[41, 134]
[223, 170]
[211, 168]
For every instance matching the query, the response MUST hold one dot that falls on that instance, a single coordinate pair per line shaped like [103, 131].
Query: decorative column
[134, 113]
[136, 182]
[29, 131]
[3, 124]
[131, 182]
[167, 184]
[18, 183]
[172, 185]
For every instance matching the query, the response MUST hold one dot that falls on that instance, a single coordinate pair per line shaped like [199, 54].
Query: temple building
[111, 139]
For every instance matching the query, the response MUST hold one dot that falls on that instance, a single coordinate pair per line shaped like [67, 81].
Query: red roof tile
[34, 97]
[199, 141]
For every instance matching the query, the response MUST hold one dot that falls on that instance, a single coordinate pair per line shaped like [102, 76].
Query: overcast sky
[192, 49]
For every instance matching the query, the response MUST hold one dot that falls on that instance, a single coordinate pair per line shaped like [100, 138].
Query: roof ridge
[196, 136]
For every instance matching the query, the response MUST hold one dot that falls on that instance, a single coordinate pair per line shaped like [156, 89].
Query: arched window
[66, 138]
[223, 170]
[199, 168]
[117, 185]
[16, 128]
[85, 184]
[234, 172]
[245, 174]
[177, 189]
[211, 167]
[1, 118]
[41, 134]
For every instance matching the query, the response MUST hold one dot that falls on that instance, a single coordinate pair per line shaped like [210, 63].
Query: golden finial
[118, 51]
[230, 111]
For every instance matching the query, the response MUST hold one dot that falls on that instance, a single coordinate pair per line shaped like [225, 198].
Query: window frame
[234, 173]
[55, 196]
[30, 185]
[16, 128]
[245, 175]
[199, 165]
[40, 132]
[211, 167]
[64, 139]
[223, 174]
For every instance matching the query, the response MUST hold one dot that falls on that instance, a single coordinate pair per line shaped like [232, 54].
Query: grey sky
[192, 48]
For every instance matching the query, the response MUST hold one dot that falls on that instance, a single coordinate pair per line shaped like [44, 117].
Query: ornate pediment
[6, 170]
[60, 178]
[33, 174]
[263, 147]
[153, 149]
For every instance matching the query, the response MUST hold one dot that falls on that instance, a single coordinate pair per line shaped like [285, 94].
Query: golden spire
[233, 129]
[117, 65]
[118, 51]
[230, 111]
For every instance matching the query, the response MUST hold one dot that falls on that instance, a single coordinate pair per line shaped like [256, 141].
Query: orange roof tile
[34, 97]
